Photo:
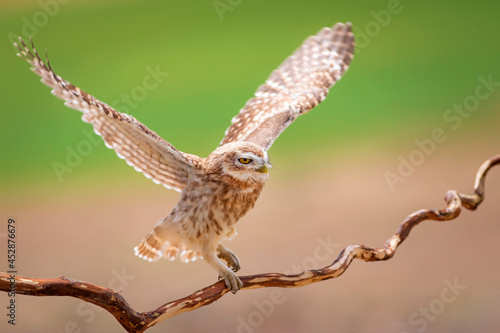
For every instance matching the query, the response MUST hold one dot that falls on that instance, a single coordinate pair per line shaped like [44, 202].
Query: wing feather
[132, 141]
[298, 85]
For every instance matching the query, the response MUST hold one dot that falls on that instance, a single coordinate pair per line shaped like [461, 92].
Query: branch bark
[134, 321]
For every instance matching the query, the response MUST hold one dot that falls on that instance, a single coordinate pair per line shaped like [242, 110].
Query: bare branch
[134, 321]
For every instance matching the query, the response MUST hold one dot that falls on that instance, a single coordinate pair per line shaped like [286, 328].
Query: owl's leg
[232, 281]
[229, 257]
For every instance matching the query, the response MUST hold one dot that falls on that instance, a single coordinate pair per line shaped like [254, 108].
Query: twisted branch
[134, 321]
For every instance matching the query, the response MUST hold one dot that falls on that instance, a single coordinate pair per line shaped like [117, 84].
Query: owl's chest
[216, 203]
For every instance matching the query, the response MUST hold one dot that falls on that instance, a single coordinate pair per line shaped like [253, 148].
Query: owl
[218, 190]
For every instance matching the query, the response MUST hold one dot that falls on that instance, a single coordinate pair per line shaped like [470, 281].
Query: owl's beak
[263, 169]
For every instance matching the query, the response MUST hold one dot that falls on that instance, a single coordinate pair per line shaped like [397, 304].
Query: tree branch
[134, 321]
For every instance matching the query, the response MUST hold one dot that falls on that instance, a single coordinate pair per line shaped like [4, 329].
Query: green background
[410, 66]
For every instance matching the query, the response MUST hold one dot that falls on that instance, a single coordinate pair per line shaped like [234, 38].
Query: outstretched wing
[138, 145]
[297, 86]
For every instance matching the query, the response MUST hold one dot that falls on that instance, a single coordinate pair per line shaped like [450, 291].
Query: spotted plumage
[218, 190]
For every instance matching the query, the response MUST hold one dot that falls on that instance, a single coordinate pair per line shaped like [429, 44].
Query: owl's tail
[161, 243]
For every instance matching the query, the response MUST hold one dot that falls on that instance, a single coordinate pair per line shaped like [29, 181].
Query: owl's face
[242, 160]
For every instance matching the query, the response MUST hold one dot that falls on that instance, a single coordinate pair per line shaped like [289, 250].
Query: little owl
[218, 190]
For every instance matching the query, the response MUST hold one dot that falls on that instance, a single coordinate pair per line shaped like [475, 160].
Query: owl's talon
[232, 282]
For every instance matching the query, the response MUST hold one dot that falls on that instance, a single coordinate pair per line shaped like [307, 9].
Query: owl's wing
[298, 85]
[138, 145]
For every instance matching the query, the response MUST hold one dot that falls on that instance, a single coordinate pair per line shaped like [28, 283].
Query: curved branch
[134, 321]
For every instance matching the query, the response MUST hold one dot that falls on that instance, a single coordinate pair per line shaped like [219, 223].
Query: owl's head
[241, 160]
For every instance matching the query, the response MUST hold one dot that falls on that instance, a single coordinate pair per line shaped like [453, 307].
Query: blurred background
[414, 116]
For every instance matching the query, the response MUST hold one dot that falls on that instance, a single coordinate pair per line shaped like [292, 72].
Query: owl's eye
[244, 160]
